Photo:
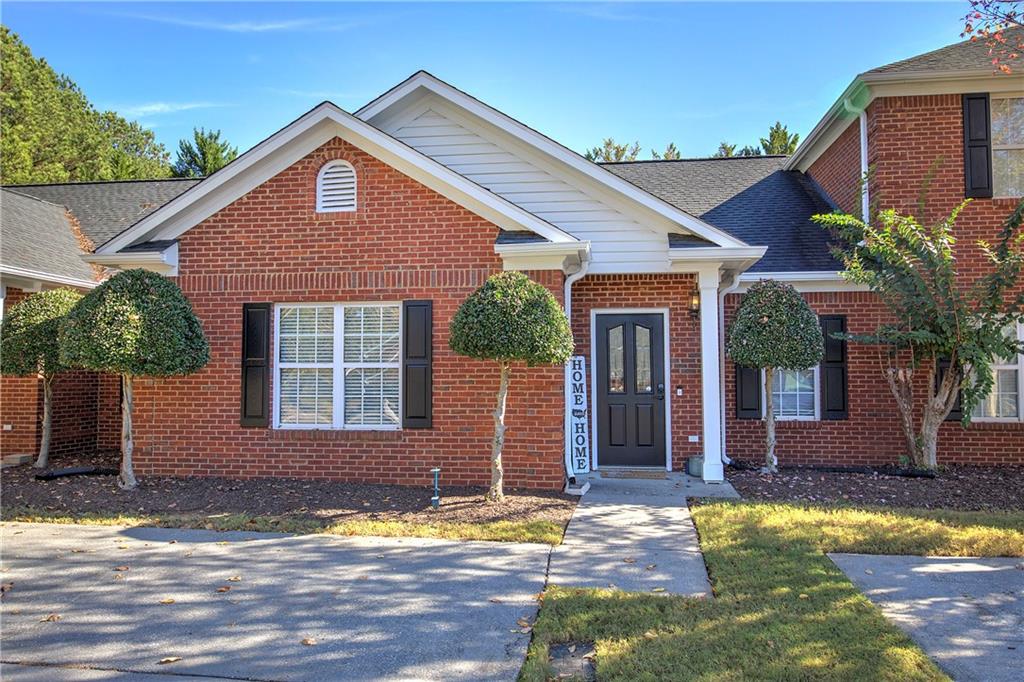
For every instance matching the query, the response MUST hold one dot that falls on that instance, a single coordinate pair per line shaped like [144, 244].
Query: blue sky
[690, 73]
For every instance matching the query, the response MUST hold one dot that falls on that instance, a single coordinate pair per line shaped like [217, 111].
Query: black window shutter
[256, 364]
[748, 393]
[417, 330]
[834, 378]
[957, 413]
[977, 147]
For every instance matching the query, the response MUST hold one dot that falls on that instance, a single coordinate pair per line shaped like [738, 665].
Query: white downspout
[865, 200]
[569, 281]
[725, 291]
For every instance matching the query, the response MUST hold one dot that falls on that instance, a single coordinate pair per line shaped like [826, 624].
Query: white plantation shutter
[336, 187]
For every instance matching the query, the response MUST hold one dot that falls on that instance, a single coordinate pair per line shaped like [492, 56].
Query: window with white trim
[795, 394]
[1003, 401]
[338, 366]
[1008, 146]
[336, 187]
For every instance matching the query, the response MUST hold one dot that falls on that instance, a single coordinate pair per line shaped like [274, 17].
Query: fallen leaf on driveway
[494, 600]
[309, 641]
[630, 560]
[235, 579]
[523, 623]
[869, 571]
[224, 588]
[52, 618]
[120, 568]
[650, 567]
[169, 659]
[167, 601]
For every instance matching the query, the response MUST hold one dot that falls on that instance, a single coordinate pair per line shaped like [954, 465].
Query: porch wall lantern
[695, 302]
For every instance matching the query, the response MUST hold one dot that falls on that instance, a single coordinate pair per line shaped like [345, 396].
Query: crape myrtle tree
[774, 329]
[136, 324]
[28, 347]
[510, 319]
[942, 325]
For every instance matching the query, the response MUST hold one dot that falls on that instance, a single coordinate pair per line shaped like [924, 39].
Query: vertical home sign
[578, 408]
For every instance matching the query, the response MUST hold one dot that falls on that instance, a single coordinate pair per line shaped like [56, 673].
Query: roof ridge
[99, 182]
[7, 188]
[696, 158]
[952, 46]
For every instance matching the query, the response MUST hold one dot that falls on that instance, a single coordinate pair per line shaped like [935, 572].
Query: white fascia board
[15, 272]
[804, 282]
[543, 256]
[545, 144]
[295, 141]
[162, 262]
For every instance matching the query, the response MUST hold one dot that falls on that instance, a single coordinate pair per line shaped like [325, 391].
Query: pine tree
[204, 155]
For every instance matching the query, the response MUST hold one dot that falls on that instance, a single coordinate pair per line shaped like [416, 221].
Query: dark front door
[630, 370]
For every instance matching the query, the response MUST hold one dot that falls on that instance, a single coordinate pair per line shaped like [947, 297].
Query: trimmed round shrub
[774, 327]
[137, 323]
[512, 318]
[28, 335]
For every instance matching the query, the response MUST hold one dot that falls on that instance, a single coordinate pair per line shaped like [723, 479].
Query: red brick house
[326, 263]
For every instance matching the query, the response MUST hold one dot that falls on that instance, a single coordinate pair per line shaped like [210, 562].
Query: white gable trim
[298, 139]
[544, 144]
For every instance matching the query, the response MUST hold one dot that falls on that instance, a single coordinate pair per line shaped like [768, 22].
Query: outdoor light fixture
[695, 302]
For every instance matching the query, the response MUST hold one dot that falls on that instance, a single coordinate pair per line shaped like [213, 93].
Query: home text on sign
[579, 433]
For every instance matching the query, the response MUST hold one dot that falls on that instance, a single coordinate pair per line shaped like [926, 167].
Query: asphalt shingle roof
[37, 235]
[751, 198]
[963, 56]
[105, 209]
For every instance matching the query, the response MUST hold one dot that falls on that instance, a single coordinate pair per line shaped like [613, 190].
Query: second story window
[1008, 146]
[336, 187]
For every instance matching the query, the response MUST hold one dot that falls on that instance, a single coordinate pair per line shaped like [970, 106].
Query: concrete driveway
[367, 608]
[967, 614]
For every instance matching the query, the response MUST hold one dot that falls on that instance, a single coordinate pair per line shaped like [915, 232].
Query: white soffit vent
[336, 187]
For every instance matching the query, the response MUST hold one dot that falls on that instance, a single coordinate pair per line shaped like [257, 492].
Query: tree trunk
[126, 480]
[923, 443]
[769, 421]
[43, 460]
[901, 385]
[497, 491]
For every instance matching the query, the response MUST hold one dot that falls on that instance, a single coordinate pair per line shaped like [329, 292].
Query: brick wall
[20, 403]
[653, 291]
[913, 142]
[404, 242]
[837, 170]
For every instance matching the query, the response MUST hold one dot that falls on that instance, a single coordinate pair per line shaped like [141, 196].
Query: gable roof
[302, 136]
[752, 198]
[105, 209]
[968, 55]
[424, 82]
[38, 237]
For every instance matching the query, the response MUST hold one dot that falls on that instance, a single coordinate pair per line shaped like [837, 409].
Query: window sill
[797, 424]
[345, 435]
[993, 426]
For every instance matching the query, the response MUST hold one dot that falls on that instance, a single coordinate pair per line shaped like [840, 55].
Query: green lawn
[539, 531]
[782, 610]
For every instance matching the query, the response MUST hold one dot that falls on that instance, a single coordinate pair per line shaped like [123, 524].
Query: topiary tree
[137, 323]
[510, 318]
[774, 329]
[28, 347]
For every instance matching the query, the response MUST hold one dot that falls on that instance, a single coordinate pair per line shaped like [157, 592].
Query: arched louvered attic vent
[336, 187]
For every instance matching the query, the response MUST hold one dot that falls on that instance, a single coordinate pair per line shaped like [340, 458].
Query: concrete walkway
[967, 614]
[635, 535]
[109, 603]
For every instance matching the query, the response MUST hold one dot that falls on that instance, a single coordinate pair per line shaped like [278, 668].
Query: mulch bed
[328, 501]
[962, 488]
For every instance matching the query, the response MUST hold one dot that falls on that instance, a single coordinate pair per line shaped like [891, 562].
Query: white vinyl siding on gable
[616, 240]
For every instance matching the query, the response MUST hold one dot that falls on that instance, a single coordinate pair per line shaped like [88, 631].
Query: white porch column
[711, 386]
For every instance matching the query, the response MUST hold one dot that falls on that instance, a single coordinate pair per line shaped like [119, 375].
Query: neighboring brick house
[326, 264]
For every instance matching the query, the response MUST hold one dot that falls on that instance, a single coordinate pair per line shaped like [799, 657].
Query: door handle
[661, 392]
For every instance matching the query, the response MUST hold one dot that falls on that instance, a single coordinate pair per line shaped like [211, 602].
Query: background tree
[750, 151]
[49, 132]
[28, 347]
[203, 155]
[610, 150]
[671, 153]
[774, 329]
[725, 150]
[1000, 25]
[509, 319]
[779, 140]
[137, 323]
[936, 315]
